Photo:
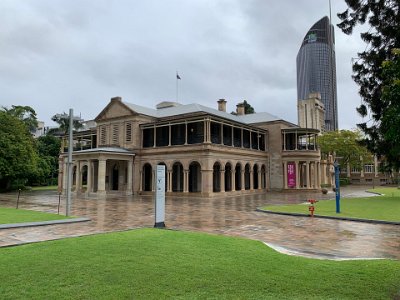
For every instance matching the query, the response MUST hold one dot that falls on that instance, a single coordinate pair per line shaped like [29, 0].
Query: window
[369, 168]
[128, 132]
[115, 134]
[103, 135]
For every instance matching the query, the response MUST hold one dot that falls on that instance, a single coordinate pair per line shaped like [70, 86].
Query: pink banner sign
[291, 174]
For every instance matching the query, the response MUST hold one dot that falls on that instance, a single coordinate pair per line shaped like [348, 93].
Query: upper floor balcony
[300, 139]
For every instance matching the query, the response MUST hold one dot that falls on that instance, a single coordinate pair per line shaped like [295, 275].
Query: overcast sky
[61, 54]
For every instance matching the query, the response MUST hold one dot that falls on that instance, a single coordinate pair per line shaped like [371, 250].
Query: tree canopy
[18, 157]
[63, 121]
[346, 145]
[25, 113]
[382, 36]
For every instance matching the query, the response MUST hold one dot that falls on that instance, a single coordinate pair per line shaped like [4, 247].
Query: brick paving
[234, 216]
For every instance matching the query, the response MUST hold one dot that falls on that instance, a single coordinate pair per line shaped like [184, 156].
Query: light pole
[69, 178]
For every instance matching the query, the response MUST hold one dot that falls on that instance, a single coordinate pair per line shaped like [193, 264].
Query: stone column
[101, 177]
[222, 180]
[78, 180]
[185, 181]
[169, 175]
[285, 175]
[153, 180]
[251, 180]
[308, 174]
[129, 175]
[315, 175]
[141, 181]
[259, 180]
[243, 183]
[233, 180]
[89, 177]
[297, 175]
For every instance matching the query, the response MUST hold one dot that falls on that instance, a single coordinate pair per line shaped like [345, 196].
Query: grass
[12, 215]
[385, 207]
[159, 264]
[45, 188]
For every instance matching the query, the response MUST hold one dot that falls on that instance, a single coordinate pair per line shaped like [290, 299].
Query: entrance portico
[100, 170]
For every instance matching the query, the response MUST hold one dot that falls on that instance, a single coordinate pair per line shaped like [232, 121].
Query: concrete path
[235, 216]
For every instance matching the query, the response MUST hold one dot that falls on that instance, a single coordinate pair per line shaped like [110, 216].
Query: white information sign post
[160, 197]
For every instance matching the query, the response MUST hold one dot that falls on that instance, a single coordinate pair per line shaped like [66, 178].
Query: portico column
[129, 176]
[243, 184]
[285, 174]
[65, 173]
[153, 180]
[89, 177]
[251, 180]
[169, 186]
[141, 181]
[78, 177]
[101, 178]
[233, 180]
[297, 175]
[308, 174]
[185, 181]
[315, 175]
[222, 181]
[259, 180]
[319, 175]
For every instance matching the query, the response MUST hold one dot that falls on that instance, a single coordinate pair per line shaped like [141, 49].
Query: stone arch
[238, 177]
[228, 177]
[147, 177]
[263, 177]
[255, 177]
[247, 176]
[177, 177]
[216, 177]
[194, 177]
[84, 172]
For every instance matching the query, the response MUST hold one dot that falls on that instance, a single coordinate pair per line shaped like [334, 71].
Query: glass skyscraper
[316, 69]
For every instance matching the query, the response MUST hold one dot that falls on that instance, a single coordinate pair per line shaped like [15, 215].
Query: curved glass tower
[316, 69]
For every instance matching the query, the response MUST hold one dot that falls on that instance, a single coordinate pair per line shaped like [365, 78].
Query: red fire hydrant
[311, 208]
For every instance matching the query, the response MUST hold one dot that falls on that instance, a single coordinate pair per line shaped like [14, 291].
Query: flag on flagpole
[177, 76]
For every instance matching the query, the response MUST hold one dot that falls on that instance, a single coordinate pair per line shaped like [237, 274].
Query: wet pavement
[234, 216]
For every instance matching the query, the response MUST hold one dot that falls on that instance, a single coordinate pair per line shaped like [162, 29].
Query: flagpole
[176, 78]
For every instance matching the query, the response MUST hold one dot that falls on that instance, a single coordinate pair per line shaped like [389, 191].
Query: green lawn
[12, 215]
[386, 207]
[45, 188]
[159, 264]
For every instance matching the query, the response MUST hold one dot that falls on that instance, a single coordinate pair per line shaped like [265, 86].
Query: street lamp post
[69, 178]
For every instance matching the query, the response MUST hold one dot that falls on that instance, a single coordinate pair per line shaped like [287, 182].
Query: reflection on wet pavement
[235, 216]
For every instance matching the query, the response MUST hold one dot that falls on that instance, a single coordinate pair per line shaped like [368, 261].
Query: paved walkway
[235, 216]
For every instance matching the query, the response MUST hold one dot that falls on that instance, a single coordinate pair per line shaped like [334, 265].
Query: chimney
[116, 99]
[240, 109]
[222, 105]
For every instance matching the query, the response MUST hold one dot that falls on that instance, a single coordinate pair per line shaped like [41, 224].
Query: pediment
[115, 109]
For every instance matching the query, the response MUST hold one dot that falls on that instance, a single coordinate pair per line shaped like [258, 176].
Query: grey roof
[194, 107]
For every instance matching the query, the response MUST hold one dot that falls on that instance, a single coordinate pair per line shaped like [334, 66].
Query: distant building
[311, 112]
[316, 69]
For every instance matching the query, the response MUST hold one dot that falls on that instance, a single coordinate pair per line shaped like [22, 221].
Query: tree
[381, 38]
[346, 145]
[63, 121]
[18, 157]
[25, 113]
[248, 109]
[48, 147]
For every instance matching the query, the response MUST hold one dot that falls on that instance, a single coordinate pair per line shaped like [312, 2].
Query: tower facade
[316, 69]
